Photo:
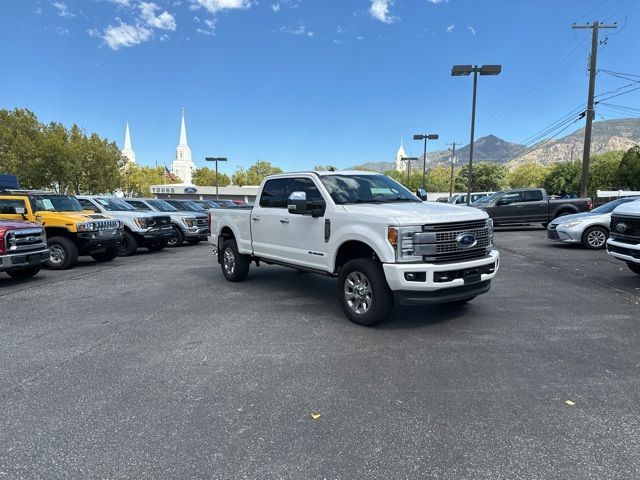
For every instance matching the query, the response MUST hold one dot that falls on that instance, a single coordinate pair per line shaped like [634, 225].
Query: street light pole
[465, 70]
[425, 137]
[216, 159]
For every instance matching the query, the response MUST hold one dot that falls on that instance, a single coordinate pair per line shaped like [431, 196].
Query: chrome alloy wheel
[596, 238]
[357, 293]
[229, 261]
[56, 254]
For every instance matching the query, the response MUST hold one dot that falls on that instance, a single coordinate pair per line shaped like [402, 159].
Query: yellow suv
[70, 231]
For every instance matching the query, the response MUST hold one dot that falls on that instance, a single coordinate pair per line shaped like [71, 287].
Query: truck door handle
[255, 219]
[284, 220]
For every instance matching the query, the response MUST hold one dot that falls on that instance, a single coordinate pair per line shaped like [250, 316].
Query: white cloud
[62, 31]
[337, 42]
[275, 7]
[214, 6]
[380, 10]
[300, 29]
[471, 29]
[63, 11]
[451, 27]
[210, 28]
[121, 3]
[360, 37]
[438, 1]
[164, 21]
[339, 30]
[126, 35]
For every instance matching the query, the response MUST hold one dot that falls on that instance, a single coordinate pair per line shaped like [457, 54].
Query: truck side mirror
[20, 210]
[297, 203]
[421, 193]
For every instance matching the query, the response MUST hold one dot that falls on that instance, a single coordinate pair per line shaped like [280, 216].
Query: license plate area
[34, 259]
[471, 276]
[107, 233]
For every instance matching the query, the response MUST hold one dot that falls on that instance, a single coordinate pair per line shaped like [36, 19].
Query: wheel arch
[351, 249]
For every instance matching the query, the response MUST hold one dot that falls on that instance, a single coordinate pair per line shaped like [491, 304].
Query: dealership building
[194, 192]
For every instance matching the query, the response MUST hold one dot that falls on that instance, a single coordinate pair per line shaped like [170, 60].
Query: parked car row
[38, 227]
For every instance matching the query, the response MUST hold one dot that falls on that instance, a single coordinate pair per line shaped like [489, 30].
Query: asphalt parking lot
[154, 367]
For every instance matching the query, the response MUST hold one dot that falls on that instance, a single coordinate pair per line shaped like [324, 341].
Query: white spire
[183, 132]
[127, 151]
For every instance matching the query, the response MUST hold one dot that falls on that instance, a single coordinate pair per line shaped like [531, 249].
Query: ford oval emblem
[622, 227]
[466, 240]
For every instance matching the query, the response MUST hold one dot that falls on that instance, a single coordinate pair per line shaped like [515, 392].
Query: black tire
[595, 238]
[108, 255]
[24, 272]
[156, 246]
[365, 296]
[235, 266]
[634, 267]
[177, 238]
[63, 253]
[193, 241]
[128, 246]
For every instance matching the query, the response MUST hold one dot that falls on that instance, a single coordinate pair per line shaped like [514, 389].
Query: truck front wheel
[634, 267]
[365, 296]
[63, 253]
[129, 244]
[235, 266]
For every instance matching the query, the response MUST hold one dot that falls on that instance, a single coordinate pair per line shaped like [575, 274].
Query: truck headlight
[86, 227]
[142, 222]
[189, 221]
[490, 225]
[401, 238]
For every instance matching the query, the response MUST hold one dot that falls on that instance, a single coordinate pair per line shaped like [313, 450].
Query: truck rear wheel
[634, 267]
[106, 256]
[235, 266]
[365, 296]
[129, 244]
[23, 272]
[63, 253]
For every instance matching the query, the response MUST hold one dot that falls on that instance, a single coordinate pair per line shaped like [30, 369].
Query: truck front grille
[160, 222]
[202, 221]
[106, 224]
[625, 228]
[448, 249]
[25, 239]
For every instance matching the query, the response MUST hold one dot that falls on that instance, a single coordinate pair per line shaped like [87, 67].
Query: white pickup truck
[624, 239]
[381, 242]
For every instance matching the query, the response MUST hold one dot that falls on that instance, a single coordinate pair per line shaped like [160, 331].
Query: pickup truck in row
[380, 241]
[23, 248]
[624, 240]
[529, 205]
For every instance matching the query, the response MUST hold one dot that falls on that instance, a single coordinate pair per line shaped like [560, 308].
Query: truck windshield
[114, 204]
[346, 189]
[57, 203]
[162, 206]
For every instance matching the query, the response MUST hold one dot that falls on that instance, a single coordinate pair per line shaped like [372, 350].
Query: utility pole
[590, 113]
[453, 161]
[408, 160]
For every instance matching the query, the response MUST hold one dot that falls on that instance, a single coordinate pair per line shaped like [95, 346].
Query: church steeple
[183, 133]
[127, 151]
[183, 166]
[399, 156]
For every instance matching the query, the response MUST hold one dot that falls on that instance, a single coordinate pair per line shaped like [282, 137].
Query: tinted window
[532, 196]
[305, 185]
[8, 206]
[57, 203]
[274, 193]
[512, 197]
[138, 205]
[88, 205]
[162, 206]
[345, 189]
[609, 207]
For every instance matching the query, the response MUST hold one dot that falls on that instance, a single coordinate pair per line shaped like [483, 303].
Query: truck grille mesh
[25, 239]
[625, 227]
[447, 247]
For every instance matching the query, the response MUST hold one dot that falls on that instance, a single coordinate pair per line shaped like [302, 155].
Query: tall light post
[465, 71]
[408, 160]
[216, 159]
[429, 136]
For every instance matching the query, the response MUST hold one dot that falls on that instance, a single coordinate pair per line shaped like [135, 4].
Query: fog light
[415, 276]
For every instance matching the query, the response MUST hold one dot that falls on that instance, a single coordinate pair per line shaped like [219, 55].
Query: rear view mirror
[297, 203]
[421, 193]
[19, 210]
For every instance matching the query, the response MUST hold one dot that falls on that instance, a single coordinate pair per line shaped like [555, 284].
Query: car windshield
[609, 207]
[114, 204]
[161, 205]
[347, 189]
[57, 203]
[193, 207]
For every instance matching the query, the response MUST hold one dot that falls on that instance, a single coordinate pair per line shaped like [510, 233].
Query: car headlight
[401, 238]
[142, 222]
[86, 227]
[570, 224]
[189, 221]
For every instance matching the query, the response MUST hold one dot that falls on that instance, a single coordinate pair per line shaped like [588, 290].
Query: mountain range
[607, 135]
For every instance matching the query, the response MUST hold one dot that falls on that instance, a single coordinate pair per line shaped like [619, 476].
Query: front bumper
[566, 235]
[201, 233]
[93, 242]
[10, 261]
[430, 277]
[156, 235]
[627, 252]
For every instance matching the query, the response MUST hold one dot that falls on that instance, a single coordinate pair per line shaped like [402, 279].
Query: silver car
[588, 228]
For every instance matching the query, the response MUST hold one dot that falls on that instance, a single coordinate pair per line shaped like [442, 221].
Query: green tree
[21, 138]
[527, 175]
[439, 179]
[628, 174]
[137, 180]
[563, 177]
[254, 174]
[603, 171]
[207, 177]
[487, 176]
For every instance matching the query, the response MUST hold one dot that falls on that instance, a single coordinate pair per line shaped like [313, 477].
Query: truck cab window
[512, 197]
[138, 205]
[532, 196]
[274, 193]
[307, 186]
[8, 206]
[88, 205]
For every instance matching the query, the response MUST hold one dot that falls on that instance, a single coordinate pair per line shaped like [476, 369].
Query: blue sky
[304, 82]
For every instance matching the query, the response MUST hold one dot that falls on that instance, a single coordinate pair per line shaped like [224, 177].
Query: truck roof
[325, 173]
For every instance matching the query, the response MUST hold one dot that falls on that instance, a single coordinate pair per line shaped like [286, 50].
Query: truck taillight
[590, 205]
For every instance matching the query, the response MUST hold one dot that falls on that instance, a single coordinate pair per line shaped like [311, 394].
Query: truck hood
[70, 217]
[16, 224]
[417, 213]
[629, 208]
[136, 214]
